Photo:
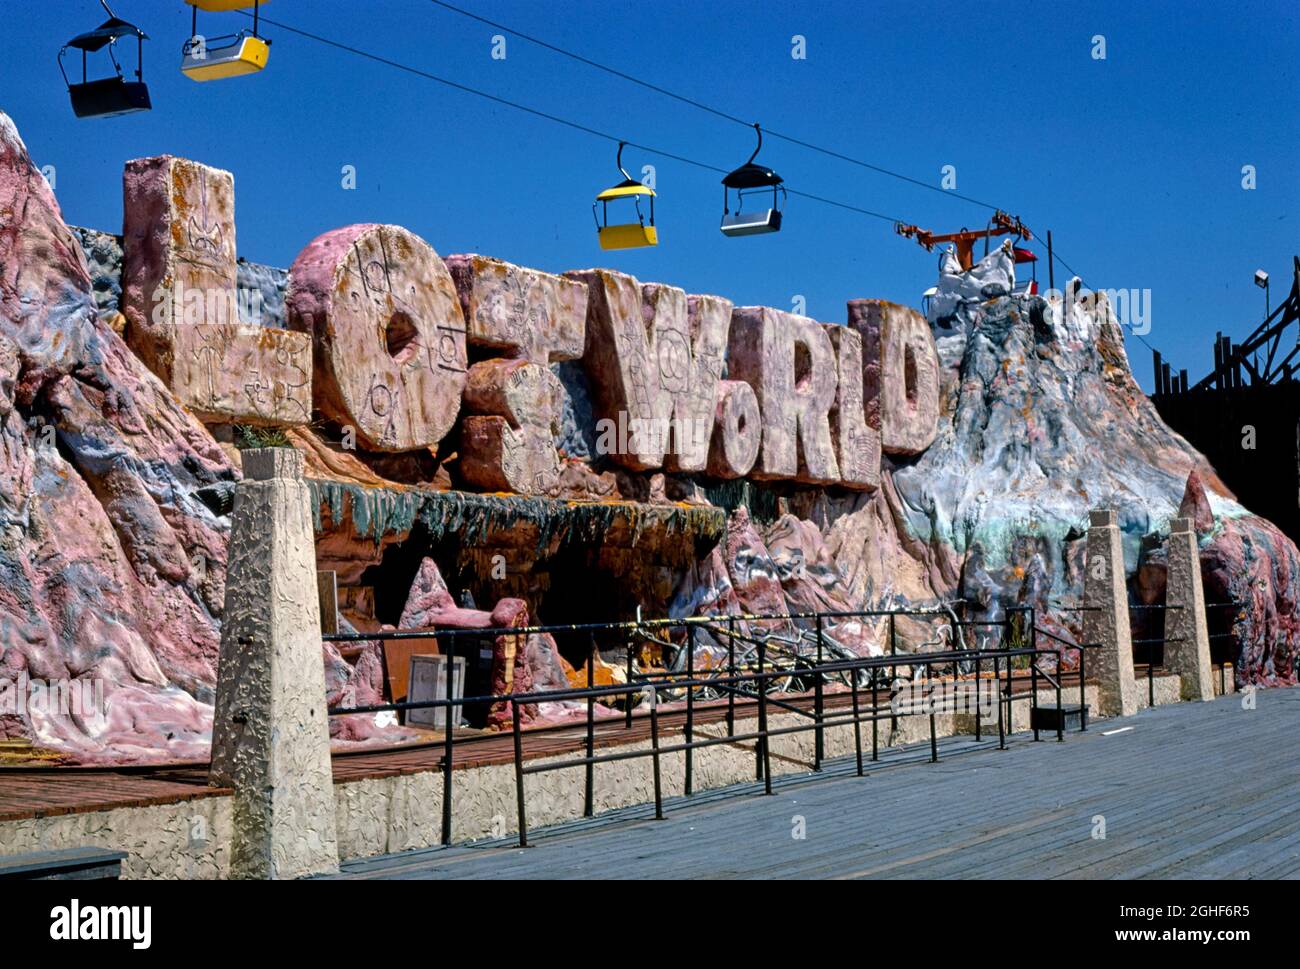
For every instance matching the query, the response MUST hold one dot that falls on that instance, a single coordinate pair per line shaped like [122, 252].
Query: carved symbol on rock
[674, 357]
[203, 235]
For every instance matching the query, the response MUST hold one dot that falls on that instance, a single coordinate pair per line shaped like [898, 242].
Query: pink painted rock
[790, 363]
[114, 568]
[1196, 505]
[857, 440]
[388, 332]
[181, 303]
[430, 605]
[534, 318]
[737, 431]
[655, 359]
[902, 370]
[529, 314]
[754, 576]
[508, 441]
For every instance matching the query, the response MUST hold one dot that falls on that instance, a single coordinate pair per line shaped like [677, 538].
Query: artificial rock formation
[656, 359]
[790, 362]
[114, 564]
[515, 403]
[389, 336]
[181, 299]
[999, 429]
[902, 373]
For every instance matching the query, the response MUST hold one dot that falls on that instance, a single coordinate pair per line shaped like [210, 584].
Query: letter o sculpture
[388, 334]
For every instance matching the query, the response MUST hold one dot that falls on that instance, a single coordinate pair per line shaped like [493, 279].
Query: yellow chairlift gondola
[214, 58]
[630, 235]
[746, 180]
[107, 97]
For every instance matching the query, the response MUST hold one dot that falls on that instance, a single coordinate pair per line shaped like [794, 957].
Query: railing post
[1060, 716]
[1011, 719]
[588, 802]
[1151, 679]
[731, 675]
[857, 723]
[929, 697]
[690, 708]
[762, 721]
[875, 717]
[1083, 688]
[997, 686]
[979, 735]
[893, 673]
[654, 745]
[448, 742]
[818, 737]
[519, 773]
[1033, 691]
[628, 672]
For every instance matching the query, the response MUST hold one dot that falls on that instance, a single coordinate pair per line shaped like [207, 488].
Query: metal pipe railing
[760, 680]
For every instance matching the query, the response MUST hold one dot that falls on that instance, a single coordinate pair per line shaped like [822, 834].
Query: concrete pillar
[1187, 638]
[270, 735]
[1105, 620]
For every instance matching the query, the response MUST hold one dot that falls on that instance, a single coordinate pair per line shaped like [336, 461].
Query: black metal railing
[749, 680]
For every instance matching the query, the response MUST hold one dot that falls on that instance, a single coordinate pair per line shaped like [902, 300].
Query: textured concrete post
[1187, 638]
[1105, 621]
[270, 735]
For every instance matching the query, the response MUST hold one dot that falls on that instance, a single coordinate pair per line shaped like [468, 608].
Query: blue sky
[1133, 162]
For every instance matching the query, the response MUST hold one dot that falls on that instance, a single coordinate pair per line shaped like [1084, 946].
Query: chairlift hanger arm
[964, 241]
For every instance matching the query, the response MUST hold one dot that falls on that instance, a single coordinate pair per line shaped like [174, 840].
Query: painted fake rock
[527, 313]
[790, 362]
[901, 374]
[181, 299]
[534, 319]
[430, 605]
[508, 436]
[388, 332]
[114, 567]
[1041, 421]
[655, 359]
[1251, 577]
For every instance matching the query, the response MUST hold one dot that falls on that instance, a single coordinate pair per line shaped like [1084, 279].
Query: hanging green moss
[730, 495]
[475, 518]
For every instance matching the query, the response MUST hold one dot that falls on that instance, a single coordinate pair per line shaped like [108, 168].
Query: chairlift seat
[631, 235]
[246, 55]
[109, 97]
[751, 223]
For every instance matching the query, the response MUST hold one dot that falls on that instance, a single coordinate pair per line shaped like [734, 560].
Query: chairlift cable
[547, 116]
[709, 108]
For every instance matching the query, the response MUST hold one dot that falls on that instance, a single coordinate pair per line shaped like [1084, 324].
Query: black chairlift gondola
[746, 179]
[107, 97]
[630, 235]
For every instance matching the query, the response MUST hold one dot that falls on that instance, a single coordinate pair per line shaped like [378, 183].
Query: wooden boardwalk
[35, 792]
[1206, 790]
